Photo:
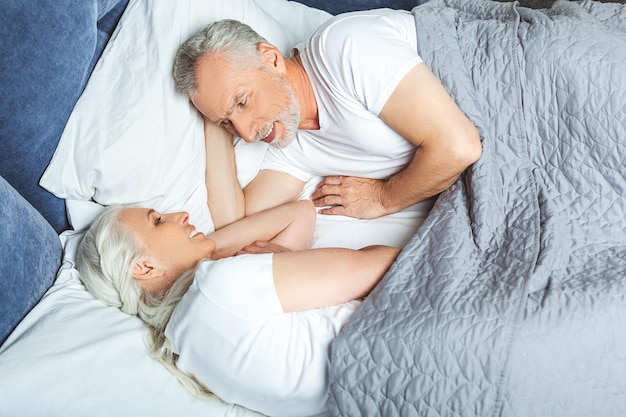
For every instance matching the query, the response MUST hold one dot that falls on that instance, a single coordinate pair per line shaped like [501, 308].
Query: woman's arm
[323, 277]
[224, 194]
[289, 225]
[271, 188]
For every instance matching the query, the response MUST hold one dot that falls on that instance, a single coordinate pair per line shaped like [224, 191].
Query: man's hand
[350, 196]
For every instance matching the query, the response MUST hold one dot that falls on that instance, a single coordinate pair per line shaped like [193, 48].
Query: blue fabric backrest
[336, 7]
[30, 255]
[48, 50]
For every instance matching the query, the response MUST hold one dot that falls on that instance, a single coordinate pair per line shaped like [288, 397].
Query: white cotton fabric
[351, 85]
[231, 333]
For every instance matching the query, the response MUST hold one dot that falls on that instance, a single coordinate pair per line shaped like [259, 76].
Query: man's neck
[299, 80]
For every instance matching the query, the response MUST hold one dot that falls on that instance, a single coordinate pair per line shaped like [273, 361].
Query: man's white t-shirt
[230, 331]
[354, 62]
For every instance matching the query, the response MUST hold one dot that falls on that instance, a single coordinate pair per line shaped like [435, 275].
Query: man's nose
[245, 128]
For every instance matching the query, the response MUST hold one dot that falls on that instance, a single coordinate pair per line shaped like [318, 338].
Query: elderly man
[360, 106]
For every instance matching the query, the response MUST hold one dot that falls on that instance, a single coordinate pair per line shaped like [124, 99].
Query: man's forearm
[428, 174]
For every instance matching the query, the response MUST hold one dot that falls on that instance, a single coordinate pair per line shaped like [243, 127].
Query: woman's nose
[181, 217]
[184, 217]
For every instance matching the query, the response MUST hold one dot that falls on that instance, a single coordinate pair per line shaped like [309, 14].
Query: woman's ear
[271, 56]
[145, 270]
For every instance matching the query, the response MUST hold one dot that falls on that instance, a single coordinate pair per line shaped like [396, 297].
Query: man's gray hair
[236, 42]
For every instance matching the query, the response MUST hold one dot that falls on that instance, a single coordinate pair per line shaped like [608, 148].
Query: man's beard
[289, 118]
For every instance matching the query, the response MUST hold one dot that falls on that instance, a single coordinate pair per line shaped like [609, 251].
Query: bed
[509, 295]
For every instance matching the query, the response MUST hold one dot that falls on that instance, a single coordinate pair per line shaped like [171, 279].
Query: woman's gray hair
[105, 261]
[236, 42]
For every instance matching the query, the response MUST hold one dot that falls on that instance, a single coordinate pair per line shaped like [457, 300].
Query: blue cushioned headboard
[335, 7]
[30, 254]
[48, 50]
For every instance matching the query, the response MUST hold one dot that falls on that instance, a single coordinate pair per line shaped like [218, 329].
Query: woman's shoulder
[242, 285]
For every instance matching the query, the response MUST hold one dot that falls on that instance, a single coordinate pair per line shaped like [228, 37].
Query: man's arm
[422, 111]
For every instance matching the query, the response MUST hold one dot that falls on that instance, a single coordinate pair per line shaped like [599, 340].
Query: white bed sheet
[73, 356]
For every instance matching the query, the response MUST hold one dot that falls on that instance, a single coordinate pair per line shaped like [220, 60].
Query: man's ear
[145, 270]
[271, 56]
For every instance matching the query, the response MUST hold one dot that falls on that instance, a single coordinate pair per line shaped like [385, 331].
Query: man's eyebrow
[230, 111]
[236, 99]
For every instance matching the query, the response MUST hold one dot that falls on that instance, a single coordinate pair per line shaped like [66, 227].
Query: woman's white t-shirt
[231, 333]
[354, 62]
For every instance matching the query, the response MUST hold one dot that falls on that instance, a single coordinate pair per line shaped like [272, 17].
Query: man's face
[255, 103]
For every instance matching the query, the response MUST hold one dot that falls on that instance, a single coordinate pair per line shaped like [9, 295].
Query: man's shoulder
[345, 24]
[361, 32]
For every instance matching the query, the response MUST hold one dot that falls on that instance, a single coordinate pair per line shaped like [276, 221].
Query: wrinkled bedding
[511, 299]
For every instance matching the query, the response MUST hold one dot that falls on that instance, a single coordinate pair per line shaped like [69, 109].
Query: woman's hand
[261, 246]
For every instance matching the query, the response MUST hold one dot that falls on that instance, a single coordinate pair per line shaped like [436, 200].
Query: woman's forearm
[290, 225]
[224, 194]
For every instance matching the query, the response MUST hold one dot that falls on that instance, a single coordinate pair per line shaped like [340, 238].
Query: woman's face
[171, 245]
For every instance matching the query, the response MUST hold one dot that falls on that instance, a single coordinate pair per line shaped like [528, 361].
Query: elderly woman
[254, 329]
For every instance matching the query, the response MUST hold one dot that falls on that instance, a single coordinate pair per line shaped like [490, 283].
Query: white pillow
[131, 138]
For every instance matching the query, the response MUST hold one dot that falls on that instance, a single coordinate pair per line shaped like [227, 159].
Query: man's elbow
[468, 148]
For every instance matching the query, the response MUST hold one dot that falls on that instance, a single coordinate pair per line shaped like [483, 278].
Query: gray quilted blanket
[511, 298]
